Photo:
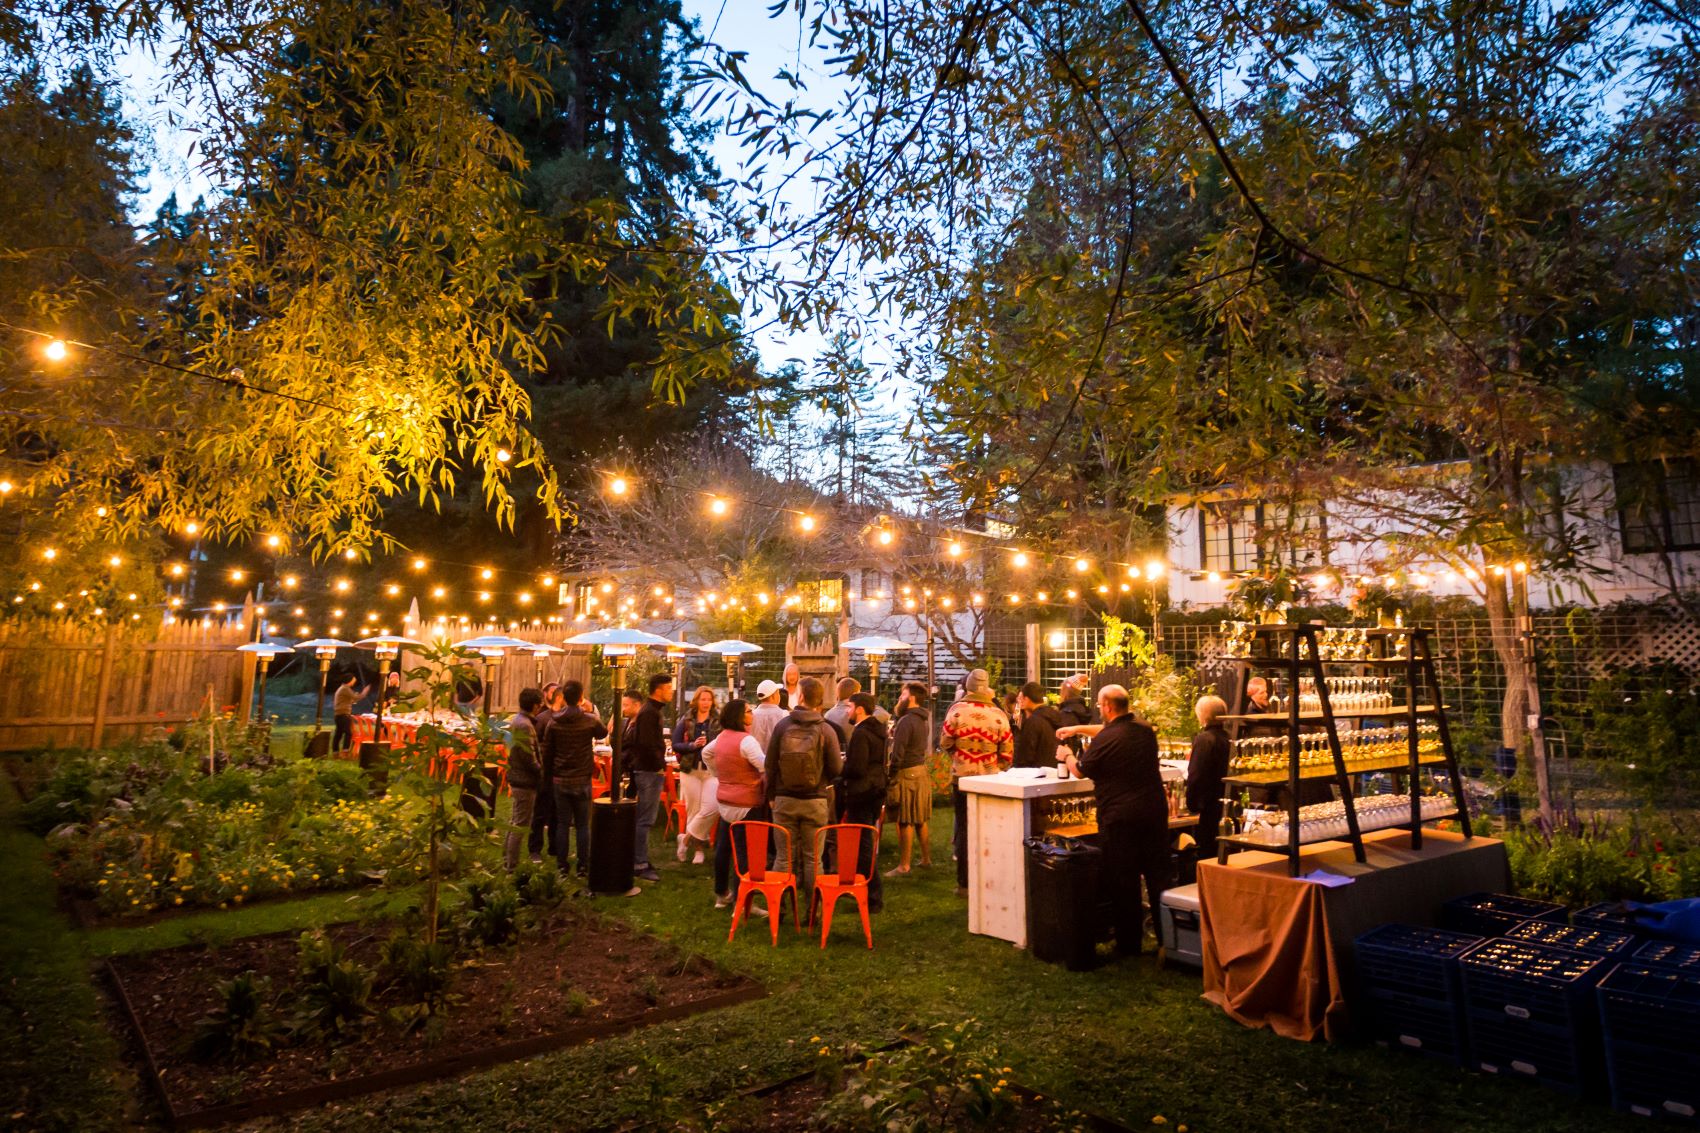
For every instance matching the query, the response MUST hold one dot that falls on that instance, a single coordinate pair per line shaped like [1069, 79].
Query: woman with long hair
[696, 727]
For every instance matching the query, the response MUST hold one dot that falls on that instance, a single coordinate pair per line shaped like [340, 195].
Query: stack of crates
[1577, 938]
[1669, 955]
[1412, 988]
[1651, 1015]
[1531, 1011]
[1489, 914]
[1607, 914]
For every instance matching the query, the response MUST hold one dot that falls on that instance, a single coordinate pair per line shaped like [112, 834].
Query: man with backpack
[803, 757]
[861, 792]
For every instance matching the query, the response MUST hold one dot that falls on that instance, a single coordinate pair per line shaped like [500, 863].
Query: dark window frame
[1649, 526]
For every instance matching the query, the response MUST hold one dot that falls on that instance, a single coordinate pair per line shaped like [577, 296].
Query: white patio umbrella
[875, 648]
[388, 647]
[263, 652]
[324, 648]
[730, 650]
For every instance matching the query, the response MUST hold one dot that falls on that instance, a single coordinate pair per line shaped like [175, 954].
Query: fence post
[103, 686]
[1035, 663]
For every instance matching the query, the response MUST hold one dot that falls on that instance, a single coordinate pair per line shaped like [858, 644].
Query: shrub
[492, 913]
[947, 1081]
[1647, 719]
[336, 992]
[242, 1025]
[423, 970]
[1581, 863]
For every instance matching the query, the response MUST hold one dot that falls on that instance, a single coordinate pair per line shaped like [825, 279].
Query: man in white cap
[768, 711]
[978, 740]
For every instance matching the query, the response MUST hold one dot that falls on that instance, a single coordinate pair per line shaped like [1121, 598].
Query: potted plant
[1374, 601]
[1267, 597]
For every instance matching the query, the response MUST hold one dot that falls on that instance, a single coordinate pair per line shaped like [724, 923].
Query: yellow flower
[825, 1050]
[1002, 1082]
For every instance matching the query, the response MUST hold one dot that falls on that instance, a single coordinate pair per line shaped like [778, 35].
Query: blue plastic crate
[1530, 1012]
[1652, 1006]
[1607, 915]
[1433, 1027]
[1516, 1048]
[1411, 960]
[1577, 938]
[1489, 914]
[1654, 1081]
[1669, 954]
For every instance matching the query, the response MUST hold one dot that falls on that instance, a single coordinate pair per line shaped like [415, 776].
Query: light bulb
[50, 554]
[806, 522]
[418, 564]
[886, 536]
[56, 350]
[618, 486]
[1153, 570]
[503, 455]
[114, 561]
[274, 541]
[1081, 566]
[1020, 560]
[438, 592]
[351, 554]
[343, 586]
[719, 506]
[392, 590]
[191, 528]
[954, 550]
[290, 582]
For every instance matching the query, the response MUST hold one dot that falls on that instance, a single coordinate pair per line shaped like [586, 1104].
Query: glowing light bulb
[343, 586]
[56, 350]
[1153, 570]
[503, 455]
[351, 554]
[1020, 560]
[1042, 596]
[618, 486]
[608, 588]
[1081, 566]
[483, 595]
[299, 612]
[101, 511]
[115, 562]
[954, 550]
[1214, 576]
[337, 613]
[1521, 567]
[438, 592]
[886, 536]
[524, 597]
[719, 506]
[1133, 572]
[50, 554]
[191, 528]
[274, 541]
[5, 487]
[806, 522]
[947, 602]
[1057, 639]
[418, 564]
[237, 576]
[392, 590]
[486, 574]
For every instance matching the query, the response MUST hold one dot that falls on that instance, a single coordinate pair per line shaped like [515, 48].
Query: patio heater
[875, 648]
[388, 647]
[730, 650]
[263, 652]
[613, 820]
[491, 648]
[540, 653]
[324, 648]
[677, 651]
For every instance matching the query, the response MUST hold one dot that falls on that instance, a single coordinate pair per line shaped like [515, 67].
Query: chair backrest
[752, 838]
[847, 838]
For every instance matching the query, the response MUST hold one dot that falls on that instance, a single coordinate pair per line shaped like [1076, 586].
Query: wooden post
[103, 685]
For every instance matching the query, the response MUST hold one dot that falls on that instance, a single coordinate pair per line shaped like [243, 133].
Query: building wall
[1607, 572]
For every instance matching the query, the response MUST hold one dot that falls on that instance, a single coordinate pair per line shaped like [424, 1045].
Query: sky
[739, 25]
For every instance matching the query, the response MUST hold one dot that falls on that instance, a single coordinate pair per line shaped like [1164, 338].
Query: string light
[115, 562]
[274, 541]
[101, 511]
[618, 486]
[191, 528]
[1214, 576]
[56, 350]
[290, 582]
[337, 613]
[1020, 560]
[392, 590]
[806, 522]
[418, 564]
[719, 506]
[438, 592]
[954, 550]
[1153, 570]
[1132, 571]
[237, 576]
[503, 455]
[343, 586]
[5, 487]
[886, 536]
[486, 574]
[50, 553]
[1081, 566]
[351, 554]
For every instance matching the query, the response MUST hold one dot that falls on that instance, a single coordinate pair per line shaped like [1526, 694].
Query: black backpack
[802, 757]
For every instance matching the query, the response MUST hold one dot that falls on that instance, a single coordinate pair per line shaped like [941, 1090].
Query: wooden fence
[66, 683]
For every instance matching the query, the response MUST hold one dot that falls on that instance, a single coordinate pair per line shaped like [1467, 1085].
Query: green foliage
[1270, 591]
[422, 969]
[539, 886]
[1125, 646]
[1164, 694]
[334, 992]
[243, 1025]
[947, 1081]
[144, 829]
[1647, 720]
[491, 915]
[1583, 863]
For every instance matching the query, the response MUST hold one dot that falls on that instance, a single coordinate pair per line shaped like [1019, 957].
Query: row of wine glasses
[1077, 810]
[1270, 753]
[1333, 643]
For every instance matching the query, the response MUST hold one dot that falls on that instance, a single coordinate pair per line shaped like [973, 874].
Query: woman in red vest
[738, 763]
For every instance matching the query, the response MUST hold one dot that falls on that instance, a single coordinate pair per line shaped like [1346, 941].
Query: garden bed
[571, 978]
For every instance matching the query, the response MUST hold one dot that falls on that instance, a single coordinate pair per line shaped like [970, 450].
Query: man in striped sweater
[978, 739]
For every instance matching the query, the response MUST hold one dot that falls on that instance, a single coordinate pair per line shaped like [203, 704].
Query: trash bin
[1064, 919]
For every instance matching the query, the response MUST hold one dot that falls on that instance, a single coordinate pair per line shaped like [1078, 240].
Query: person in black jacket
[1133, 815]
[1206, 769]
[570, 749]
[862, 788]
[1071, 704]
[1036, 743]
[646, 755]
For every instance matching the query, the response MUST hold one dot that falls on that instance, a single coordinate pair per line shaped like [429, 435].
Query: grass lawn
[1129, 1041]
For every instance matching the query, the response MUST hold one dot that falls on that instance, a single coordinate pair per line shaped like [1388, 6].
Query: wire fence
[1576, 650]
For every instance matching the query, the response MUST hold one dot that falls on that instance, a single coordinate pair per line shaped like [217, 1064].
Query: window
[873, 582]
[821, 595]
[1658, 506]
[1237, 535]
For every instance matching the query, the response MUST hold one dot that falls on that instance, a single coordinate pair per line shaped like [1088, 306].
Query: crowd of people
[788, 759]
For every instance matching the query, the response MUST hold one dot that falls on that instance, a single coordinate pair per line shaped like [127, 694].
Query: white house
[1637, 527]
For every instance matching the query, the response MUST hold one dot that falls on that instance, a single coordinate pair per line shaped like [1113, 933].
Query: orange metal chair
[829, 887]
[600, 776]
[750, 862]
